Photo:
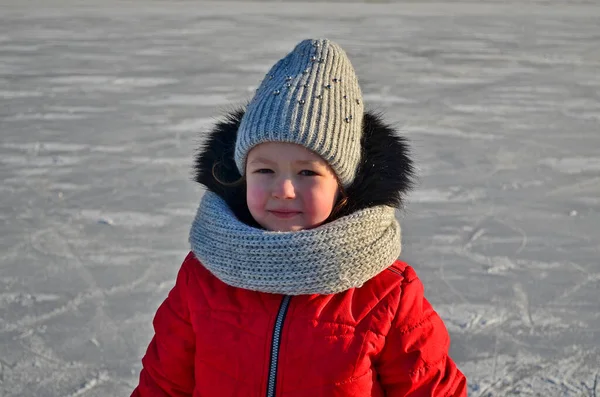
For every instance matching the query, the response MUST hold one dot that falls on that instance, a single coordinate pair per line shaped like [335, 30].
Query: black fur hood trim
[386, 172]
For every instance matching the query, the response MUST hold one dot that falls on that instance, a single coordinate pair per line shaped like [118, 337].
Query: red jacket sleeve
[168, 366]
[414, 361]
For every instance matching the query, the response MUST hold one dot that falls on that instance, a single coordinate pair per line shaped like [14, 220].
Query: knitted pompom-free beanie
[311, 97]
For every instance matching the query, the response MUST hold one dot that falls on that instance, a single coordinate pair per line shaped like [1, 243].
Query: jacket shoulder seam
[409, 328]
[427, 366]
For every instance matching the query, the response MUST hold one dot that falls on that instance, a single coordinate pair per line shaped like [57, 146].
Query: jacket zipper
[395, 271]
[276, 342]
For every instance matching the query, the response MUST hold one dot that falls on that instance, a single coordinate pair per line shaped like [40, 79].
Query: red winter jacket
[214, 340]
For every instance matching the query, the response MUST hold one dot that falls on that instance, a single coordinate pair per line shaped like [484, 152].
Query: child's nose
[284, 189]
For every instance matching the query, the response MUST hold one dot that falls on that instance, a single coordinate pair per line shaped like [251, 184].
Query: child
[293, 287]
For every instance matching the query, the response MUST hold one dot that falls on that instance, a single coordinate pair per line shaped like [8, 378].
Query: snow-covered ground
[101, 107]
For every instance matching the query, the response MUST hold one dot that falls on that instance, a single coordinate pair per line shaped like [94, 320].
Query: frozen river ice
[101, 107]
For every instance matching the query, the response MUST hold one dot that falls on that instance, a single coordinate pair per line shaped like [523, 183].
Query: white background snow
[102, 106]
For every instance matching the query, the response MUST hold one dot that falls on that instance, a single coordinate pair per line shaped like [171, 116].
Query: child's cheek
[319, 205]
[255, 197]
[323, 211]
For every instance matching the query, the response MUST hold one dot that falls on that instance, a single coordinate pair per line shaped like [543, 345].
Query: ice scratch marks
[81, 80]
[42, 161]
[101, 377]
[573, 165]
[449, 284]
[529, 374]
[473, 236]
[595, 387]
[186, 100]
[60, 245]
[587, 109]
[54, 243]
[94, 295]
[589, 278]
[449, 80]
[38, 147]
[100, 81]
[495, 357]
[473, 318]
[591, 184]
[38, 347]
[175, 162]
[43, 117]
[40, 155]
[513, 322]
[126, 219]
[4, 367]
[445, 132]
[143, 82]
[193, 125]
[25, 299]
[12, 94]
[49, 161]
[452, 194]
[81, 109]
[593, 390]
[47, 112]
[388, 99]
[523, 305]
[489, 240]
[518, 230]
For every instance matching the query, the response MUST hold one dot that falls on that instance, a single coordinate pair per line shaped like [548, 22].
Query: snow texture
[102, 105]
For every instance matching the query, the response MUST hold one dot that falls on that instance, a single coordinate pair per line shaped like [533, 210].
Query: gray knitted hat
[311, 97]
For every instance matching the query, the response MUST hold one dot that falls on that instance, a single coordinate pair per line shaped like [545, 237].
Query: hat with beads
[311, 97]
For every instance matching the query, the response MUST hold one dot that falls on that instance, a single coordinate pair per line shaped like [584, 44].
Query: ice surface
[102, 106]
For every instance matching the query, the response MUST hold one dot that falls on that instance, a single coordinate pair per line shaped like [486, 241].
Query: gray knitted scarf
[331, 258]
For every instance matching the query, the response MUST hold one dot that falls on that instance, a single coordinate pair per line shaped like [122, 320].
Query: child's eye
[308, 173]
[263, 171]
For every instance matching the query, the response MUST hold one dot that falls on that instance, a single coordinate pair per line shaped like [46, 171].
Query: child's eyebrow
[298, 162]
[261, 160]
[307, 162]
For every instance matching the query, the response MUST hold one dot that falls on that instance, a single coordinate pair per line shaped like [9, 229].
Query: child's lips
[284, 214]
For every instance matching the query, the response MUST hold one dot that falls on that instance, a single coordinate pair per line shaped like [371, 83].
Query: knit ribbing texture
[311, 97]
[328, 259]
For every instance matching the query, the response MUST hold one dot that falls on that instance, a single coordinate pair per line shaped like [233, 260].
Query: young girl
[292, 287]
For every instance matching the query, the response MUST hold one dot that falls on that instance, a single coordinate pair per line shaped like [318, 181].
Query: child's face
[289, 188]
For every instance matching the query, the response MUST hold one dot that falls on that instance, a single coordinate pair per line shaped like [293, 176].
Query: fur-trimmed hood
[385, 175]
